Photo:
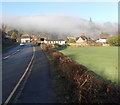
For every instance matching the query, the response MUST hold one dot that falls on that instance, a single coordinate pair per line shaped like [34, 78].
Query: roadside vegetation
[79, 84]
[9, 38]
[114, 40]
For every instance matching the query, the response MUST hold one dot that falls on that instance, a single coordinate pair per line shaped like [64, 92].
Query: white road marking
[23, 84]
[15, 88]
[14, 53]
[18, 50]
[6, 57]
[11, 54]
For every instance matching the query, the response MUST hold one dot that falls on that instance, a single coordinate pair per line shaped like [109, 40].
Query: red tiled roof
[77, 38]
[83, 37]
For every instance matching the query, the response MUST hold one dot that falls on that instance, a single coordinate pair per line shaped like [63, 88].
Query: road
[38, 86]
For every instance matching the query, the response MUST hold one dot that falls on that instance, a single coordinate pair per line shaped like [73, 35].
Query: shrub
[45, 47]
[71, 40]
[114, 40]
[57, 45]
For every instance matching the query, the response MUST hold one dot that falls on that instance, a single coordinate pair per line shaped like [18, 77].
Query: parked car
[22, 44]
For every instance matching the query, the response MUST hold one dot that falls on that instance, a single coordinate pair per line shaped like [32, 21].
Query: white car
[22, 44]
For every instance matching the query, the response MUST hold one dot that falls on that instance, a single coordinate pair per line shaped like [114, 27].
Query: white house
[58, 41]
[81, 39]
[102, 40]
[25, 38]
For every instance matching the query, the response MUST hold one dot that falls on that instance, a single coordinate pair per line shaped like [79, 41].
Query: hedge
[83, 85]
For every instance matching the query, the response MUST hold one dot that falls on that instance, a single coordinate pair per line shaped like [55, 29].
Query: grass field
[101, 60]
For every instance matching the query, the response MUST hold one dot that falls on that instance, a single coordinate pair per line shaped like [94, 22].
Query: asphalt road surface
[38, 87]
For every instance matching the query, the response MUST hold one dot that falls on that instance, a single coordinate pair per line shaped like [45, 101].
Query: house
[58, 41]
[25, 38]
[82, 39]
[102, 40]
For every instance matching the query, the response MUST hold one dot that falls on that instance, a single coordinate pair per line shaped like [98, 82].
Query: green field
[101, 60]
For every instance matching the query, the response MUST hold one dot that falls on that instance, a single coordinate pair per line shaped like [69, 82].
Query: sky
[62, 18]
[98, 11]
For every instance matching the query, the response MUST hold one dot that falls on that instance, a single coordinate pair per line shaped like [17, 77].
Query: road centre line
[11, 54]
[6, 57]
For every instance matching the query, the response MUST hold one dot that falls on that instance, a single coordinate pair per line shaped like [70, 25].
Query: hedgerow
[84, 86]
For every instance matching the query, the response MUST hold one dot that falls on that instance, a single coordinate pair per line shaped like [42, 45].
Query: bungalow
[102, 40]
[58, 41]
[25, 38]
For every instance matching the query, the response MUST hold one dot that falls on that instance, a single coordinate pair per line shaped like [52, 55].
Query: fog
[59, 25]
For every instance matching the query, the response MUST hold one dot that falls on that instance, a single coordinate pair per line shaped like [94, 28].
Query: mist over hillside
[59, 25]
